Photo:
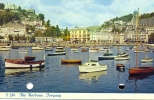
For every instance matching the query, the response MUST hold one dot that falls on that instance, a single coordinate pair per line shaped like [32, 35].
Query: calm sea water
[66, 78]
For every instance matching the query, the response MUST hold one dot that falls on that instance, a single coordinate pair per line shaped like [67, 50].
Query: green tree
[66, 34]
[2, 6]
[41, 16]
[48, 23]
[58, 32]
[38, 33]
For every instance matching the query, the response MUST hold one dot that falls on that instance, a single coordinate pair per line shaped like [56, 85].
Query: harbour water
[56, 77]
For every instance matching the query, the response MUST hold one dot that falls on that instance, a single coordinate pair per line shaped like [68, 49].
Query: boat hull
[71, 61]
[106, 57]
[83, 68]
[121, 58]
[141, 70]
[56, 53]
[146, 60]
[16, 64]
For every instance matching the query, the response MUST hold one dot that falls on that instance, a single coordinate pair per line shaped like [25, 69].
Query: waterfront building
[13, 29]
[95, 36]
[107, 37]
[79, 34]
[48, 39]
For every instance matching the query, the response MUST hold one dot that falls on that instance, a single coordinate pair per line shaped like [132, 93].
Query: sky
[83, 13]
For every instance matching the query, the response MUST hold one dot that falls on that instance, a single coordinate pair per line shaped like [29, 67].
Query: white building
[32, 22]
[11, 6]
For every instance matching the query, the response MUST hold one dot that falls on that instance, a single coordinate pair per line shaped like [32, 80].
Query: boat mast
[137, 22]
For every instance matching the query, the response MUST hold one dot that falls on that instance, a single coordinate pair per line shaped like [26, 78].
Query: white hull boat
[92, 66]
[121, 58]
[5, 48]
[19, 63]
[56, 53]
[93, 50]
[146, 60]
[37, 48]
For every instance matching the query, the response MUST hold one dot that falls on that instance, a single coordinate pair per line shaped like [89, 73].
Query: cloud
[70, 13]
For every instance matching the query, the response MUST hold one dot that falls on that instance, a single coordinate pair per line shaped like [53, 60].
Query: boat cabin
[92, 63]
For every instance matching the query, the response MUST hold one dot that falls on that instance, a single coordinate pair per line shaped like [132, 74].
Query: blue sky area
[83, 13]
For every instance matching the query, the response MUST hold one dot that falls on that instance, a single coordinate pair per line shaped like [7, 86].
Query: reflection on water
[91, 76]
[15, 72]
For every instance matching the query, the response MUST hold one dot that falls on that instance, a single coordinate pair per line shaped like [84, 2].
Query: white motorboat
[56, 53]
[22, 50]
[5, 48]
[122, 54]
[93, 50]
[37, 48]
[146, 60]
[91, 66]
[121, 58]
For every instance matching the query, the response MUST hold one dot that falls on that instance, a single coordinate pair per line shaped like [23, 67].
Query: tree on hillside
[2, 6]
[48, 23]
[38, 33]
[41, 16]
[58, 33]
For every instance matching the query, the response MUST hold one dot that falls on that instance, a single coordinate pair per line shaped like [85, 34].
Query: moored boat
[29, 58]
[110, 57]
[121, 58]
[56, 53]
[145, 60]
[91, 66]
[74, 61]
[141, 70]
[5, 48]
[20, 63]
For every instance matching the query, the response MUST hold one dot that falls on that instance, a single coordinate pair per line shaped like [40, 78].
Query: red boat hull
[141, 70]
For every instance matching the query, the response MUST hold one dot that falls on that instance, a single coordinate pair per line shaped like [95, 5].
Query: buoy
[121, 86]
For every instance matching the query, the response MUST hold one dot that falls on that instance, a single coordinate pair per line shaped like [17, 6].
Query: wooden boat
[91, 66]
[84, 50]
[29, 58]
[56, 53]
[20, 63]
[75, 61]
[121, 58]
[110, 57]
[139, 70]
[120, 65]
